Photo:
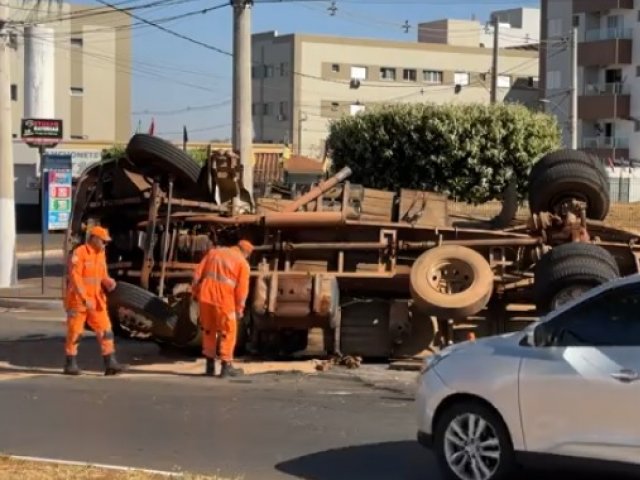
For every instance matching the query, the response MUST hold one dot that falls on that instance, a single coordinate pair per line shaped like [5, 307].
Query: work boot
[71, 366]
[229, 370]
[211, 367]
[112, 367]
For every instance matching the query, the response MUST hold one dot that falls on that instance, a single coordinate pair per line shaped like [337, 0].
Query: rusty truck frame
[341, 268]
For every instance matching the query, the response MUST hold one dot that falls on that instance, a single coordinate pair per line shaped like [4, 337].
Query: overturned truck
[343, 269]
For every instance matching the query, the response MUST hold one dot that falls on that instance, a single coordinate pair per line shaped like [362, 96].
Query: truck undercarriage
[343, 269]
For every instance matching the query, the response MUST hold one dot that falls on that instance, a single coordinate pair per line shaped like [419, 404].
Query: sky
[178, 83]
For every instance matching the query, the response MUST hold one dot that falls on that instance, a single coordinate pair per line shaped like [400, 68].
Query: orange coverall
[221, 286]
[87, 271]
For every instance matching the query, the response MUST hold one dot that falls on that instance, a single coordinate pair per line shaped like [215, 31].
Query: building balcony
[589, 6]
[605, 142]
[603, 52]
[600, 34]
[597, 107]
[617, 88]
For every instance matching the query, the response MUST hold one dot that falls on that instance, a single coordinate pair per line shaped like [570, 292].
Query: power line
[184, 110]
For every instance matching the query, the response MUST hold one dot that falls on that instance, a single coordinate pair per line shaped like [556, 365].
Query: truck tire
[450, 268]
[146, 304]
[146, 151]
[565, 181]
[572, 270]
[566, 156]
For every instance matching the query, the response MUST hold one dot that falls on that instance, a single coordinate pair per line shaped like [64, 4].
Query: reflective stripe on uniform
[220, 278]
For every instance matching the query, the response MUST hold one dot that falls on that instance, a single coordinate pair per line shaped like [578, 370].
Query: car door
[580, 396]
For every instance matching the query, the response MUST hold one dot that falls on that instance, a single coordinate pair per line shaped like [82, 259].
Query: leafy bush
[467, 151]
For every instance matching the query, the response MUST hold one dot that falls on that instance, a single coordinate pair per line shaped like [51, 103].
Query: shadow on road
[402, 460]
[405, 460]
[44, 354]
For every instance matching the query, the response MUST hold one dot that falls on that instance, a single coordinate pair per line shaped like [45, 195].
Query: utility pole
[242, 95]
[573, 119]
[7, 198]
[494, 68]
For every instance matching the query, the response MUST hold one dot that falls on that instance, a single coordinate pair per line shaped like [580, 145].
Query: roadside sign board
[41, 131]
[58, 173]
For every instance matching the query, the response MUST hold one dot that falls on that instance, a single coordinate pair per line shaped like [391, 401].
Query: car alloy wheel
[472, 447]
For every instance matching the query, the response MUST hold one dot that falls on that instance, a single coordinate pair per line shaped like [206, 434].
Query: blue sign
[57, 188]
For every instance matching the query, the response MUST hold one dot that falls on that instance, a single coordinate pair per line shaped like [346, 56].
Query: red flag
[152, 127]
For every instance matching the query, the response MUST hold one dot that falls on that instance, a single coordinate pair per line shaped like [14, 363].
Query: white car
[565, 388]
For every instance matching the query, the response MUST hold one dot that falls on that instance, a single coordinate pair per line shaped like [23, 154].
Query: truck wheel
[146, 304]
[146, 151]
[566, 156]
[451, 282]
[570, 270]
[561, 182]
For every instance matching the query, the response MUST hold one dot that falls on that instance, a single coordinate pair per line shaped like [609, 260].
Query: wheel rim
[568, 294]
[450, 276]
[472, 448]
[136, 325]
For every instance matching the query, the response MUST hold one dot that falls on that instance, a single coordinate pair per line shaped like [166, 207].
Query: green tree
[466, 151]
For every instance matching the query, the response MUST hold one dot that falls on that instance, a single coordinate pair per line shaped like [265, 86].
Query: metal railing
[597, 34]
[616, 88]
[605, 142]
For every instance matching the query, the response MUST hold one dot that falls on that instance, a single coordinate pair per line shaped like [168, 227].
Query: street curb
[36, 254]
[120, 468]
[30, 303]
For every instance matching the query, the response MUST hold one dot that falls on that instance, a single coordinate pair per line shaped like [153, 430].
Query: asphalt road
[272, 426]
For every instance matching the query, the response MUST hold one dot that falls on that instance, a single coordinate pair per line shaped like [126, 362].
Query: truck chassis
[342, 269]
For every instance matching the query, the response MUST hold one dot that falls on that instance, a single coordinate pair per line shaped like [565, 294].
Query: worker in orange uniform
[221, 286]
[86, 302]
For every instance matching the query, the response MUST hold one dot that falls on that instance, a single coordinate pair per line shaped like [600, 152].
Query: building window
[268, 71]
[77, 91]
[359, 73]
[554, 80]
[387, 73]
[76, 41]
[431, 76]
[576, 20]
[14, 92]
[504, 81]
[638, 71]
[266, 109]
[410, 74]
[283, 109]
[254, 109]
[335, 68]
[284, 69]
[335, 106]
[356, 108]
[461, 78]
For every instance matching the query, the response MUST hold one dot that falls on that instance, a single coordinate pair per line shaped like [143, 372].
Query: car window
[610, 319]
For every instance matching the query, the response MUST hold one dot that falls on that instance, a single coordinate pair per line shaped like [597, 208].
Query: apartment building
[517, 26]
[608, 119]
[92, 50]
[302, 82]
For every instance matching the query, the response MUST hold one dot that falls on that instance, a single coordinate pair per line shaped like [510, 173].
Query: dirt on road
[11, 469]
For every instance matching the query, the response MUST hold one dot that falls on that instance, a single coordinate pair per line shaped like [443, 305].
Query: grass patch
[16, 469]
